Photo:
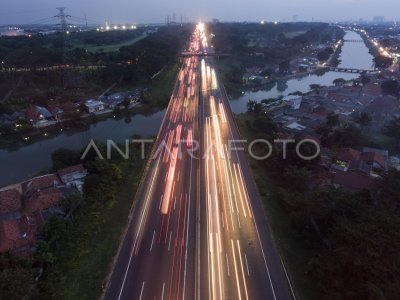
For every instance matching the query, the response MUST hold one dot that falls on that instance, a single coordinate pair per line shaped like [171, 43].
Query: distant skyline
[156, 11]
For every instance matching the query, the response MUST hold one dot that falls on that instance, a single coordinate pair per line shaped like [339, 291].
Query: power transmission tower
[63, 19]
[63, 28]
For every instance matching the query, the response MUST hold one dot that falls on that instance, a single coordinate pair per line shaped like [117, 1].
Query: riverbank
[156, 99]
[24, 159]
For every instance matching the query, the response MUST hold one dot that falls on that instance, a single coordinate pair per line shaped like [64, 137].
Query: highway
[156, 258]
[198, 230]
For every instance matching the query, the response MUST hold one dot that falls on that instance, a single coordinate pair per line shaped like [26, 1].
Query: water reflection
[21, 161]
[353, 55]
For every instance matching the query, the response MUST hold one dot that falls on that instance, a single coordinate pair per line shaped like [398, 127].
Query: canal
[353, 55]
[21, 162]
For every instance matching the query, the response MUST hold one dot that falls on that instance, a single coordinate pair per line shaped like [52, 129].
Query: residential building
[94, 105]
[73, 176]
[293, 101]
[10, 204]
[36, 114]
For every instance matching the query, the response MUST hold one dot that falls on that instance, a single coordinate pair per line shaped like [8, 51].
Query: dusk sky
[130, 11]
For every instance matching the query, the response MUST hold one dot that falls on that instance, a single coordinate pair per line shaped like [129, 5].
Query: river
[19, 163]
[353, 55]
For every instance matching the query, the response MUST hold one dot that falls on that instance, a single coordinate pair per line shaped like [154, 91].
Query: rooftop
[36, 201]
[69, 170]
[9, 201]
[40, 182]
[352, 180]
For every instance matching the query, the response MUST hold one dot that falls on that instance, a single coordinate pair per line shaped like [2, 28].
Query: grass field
[113, 47]
[162, 86]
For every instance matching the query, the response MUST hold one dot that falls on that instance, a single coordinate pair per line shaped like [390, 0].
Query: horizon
[123, 11]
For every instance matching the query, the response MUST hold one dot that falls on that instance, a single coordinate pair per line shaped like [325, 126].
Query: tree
[284, 66]
[267, 126]
[250, 105]
[393, 129]
[325, 54]
[364, 119]
[296, 178]
[43, 255]
[315, 86]
[15, 283]
[126, 103]
[54, 228]
[383, 61]
[332, 120]
[391, 87]
[390, 189]
[339, 81]
[258, 108]
[365, 79]
[63, 158]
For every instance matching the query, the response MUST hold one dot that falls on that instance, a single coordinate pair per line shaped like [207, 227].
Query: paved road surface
[199, 229]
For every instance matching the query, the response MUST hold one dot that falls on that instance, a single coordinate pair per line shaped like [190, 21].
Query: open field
[112, 47]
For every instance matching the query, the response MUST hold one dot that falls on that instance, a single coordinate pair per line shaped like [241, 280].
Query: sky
[155, 11]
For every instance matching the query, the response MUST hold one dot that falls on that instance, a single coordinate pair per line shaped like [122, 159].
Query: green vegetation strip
[293, 250]
[113, 47]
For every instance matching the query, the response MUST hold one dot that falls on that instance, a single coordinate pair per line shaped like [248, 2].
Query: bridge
[354, 41]
[202, 54]
[352, 70]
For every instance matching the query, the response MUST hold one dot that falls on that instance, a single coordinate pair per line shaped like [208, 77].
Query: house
[56, 111]
[385, 106]
[114, 100]
[94, 105]
[19, 236]
[73, 176]
[41, 200]
[26, 206]
[8, 119]
[351, 181]
[40, 183]
[377, 158]
[135, 95]
[295, 126]
[69, 107]
[293, 101]
[366, 162]
[12, 238]
[10, 204]
[372, 89]
[36, 114]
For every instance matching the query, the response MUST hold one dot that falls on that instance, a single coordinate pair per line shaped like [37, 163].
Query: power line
[63, 19]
